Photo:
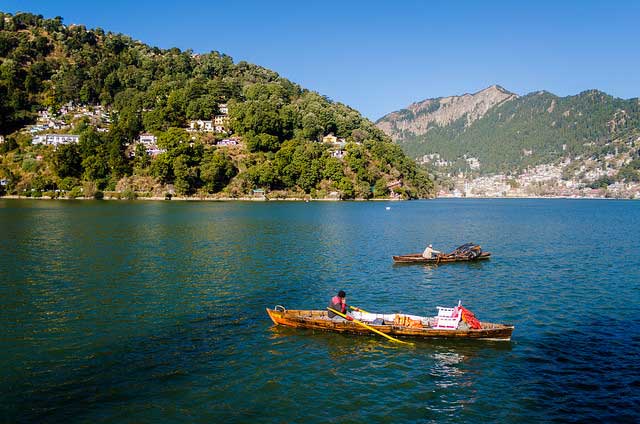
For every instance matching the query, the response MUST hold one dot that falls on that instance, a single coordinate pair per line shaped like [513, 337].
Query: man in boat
[339, 303]
[430, 252]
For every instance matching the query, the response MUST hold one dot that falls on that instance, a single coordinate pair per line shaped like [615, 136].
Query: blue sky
[379, 56]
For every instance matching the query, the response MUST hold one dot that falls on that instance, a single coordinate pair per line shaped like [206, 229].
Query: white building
[200, 125]
[227, 142]
[148, 139]
[338, 154]
[224, 110]
[473, 163]
[55, 139]
[154, 151]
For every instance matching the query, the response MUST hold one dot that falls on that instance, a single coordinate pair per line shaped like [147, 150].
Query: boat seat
[448, 318]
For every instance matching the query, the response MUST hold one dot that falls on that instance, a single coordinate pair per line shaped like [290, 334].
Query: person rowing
[430, 252]
[339, 303]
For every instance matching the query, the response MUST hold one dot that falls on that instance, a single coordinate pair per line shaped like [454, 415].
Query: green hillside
[45, 65]
[529, 130]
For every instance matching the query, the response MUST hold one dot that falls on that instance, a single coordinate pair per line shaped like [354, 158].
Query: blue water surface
[155, 311]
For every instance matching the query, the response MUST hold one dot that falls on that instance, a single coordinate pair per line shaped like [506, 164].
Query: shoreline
[205, 199]
[541, 197]
[306, 200]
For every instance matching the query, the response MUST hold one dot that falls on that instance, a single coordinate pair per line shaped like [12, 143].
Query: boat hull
[416, 258]
[319, 320]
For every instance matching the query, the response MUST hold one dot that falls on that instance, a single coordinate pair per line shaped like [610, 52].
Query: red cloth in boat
[470, 318]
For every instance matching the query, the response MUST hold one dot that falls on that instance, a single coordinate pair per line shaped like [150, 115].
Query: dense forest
[534, 129]
[46, 65]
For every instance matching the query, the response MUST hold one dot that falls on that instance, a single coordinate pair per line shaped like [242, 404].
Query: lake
[155, 311]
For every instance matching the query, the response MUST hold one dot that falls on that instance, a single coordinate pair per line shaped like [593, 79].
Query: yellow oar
[368, 328]
[355, 308]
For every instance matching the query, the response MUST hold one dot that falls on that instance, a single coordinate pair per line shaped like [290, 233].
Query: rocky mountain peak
[420, 117]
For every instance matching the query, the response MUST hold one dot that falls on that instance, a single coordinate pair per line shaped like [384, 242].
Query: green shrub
[129, 195]
[75, 192]
[30, 165]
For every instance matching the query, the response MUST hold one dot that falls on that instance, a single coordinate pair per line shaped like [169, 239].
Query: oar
[355, 308]
[368, 327]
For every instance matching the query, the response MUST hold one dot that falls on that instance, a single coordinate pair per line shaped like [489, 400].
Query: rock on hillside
[420, 117]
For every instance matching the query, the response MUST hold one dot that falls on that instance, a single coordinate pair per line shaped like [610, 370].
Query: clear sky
[380, 56]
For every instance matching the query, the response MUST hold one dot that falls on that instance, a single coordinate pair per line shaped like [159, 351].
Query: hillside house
[224, 110]
[338, 154]
[473, 163]
[259, 193]
[220, 123]
[330, 138]
[393, 189]
[55, 139]
[148, 139]
[154, 151]
[228, 142]
[200, 126]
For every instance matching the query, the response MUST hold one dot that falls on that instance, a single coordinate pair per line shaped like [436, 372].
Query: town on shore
[570, 177]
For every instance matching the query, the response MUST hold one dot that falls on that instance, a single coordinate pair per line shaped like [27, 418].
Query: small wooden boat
[465, 253]
[415, 326]
[416, 258]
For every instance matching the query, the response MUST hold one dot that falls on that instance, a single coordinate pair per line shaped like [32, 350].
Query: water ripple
[145, 312]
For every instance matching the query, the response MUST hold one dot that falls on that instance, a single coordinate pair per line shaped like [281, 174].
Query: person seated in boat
[339, 303]
[430, 252]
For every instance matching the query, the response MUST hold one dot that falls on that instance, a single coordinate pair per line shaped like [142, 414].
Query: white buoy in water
[388, 208]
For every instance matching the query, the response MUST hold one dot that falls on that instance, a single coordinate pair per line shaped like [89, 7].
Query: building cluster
[590, 176]
[150, 143]
[542, 181]
[337, 149]
[434, 159]
[55, 139]
[218, 124]
[61, 119]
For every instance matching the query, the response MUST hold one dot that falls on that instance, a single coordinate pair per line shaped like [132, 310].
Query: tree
[262, 143]
[67, 161]
[216, 171]
[162, 168]
[172, 138]
[380, 188]
[142, 160]
[184, 176]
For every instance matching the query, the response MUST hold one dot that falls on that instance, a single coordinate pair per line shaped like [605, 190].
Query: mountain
[110, 89]
[497, 131]
[418, 118]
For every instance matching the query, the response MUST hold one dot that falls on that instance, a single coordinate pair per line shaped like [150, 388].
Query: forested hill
[53, 70]
[516, 132]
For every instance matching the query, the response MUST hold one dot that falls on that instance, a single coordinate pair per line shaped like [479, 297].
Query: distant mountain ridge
[507, 132]
[419, 117]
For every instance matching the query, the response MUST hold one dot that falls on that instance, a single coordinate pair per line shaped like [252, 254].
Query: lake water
[155, 311]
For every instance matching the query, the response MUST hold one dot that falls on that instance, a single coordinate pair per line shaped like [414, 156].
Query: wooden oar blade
[368, 327]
